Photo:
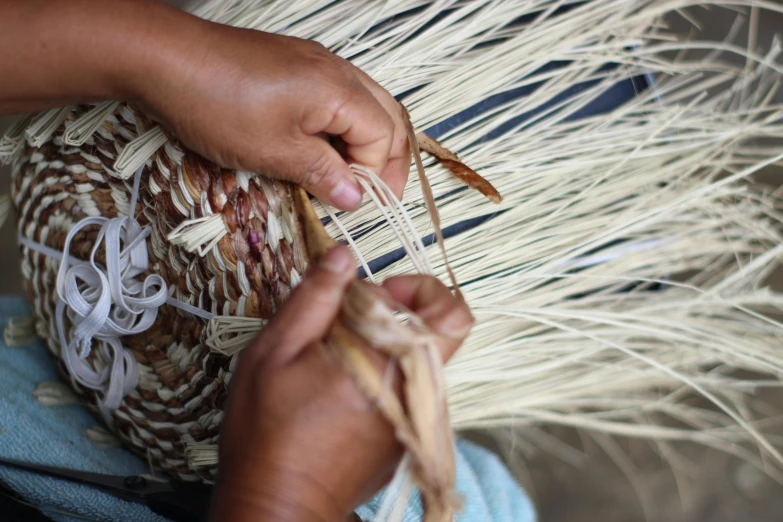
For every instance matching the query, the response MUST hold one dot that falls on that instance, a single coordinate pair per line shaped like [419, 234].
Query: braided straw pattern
[249, 272]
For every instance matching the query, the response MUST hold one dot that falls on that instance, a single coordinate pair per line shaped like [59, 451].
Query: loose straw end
[457, 168]
[138, 152]
[199, 235]
[318, 241]
[20, 331]
[55, 393]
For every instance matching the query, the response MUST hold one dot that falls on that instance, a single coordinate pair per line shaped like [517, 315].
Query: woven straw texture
[182, 384]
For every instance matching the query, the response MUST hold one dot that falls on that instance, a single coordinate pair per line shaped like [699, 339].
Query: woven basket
[182, 385]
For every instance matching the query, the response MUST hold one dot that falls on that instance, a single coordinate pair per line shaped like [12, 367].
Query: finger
[311, 308]
[434, 304]
[326, 175]
[395, 175]
[365, 126]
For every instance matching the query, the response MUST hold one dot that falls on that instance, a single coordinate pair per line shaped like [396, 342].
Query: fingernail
[336, 260]
[346, 196]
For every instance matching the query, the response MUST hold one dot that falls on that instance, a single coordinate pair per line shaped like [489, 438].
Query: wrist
[252, 502]
[170, 44]
[271, 486]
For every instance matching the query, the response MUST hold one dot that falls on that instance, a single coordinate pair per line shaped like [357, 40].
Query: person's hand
[300, 441]
[271, 104]
[244, 99]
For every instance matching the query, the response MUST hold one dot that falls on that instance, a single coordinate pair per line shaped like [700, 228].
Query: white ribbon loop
[105, 304]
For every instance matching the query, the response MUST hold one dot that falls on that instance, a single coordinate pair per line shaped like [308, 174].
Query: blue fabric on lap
[55, 436]
[489, 492]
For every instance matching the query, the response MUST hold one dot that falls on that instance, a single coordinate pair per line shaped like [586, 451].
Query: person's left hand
[300, 441]
[280, 106]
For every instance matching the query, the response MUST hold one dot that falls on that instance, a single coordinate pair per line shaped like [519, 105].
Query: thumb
[311, 308]
[327, 176]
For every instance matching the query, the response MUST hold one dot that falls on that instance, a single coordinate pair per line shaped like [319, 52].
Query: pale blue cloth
[489, 492]
[55, 436]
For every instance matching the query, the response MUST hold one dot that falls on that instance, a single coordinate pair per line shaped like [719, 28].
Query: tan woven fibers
[182, 387]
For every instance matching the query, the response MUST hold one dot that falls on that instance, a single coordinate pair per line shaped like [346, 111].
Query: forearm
[56, 52]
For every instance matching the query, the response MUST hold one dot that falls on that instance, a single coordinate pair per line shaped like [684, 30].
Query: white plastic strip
[107, 303]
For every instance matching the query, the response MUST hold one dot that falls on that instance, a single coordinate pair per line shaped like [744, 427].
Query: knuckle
[316, 52]
[384, 124]
[318, 171]
[329, 63]
[339, 103]
[385, 141]
[457, 316]
[345, 69]
[316, 46]
[388, 123]
[345, 91]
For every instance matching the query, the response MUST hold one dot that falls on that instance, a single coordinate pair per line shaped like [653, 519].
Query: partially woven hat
[182, 384]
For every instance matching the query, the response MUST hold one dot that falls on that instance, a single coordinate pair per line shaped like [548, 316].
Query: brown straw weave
[182, 386]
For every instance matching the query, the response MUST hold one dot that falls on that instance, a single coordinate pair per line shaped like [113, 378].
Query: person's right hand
[299, 440]
[267, 103]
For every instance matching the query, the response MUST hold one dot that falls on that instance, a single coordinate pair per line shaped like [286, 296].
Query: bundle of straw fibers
[623, 271]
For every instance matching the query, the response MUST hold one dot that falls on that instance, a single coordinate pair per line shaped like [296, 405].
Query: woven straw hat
[182, 384]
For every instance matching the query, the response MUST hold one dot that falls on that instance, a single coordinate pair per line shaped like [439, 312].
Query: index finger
[310, 309]
[395, 175]
[365, 126]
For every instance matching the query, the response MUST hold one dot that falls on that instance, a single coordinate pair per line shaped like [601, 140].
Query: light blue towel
[489, 492]
[55, 436]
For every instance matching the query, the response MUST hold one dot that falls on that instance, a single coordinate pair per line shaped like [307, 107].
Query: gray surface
[708, 486]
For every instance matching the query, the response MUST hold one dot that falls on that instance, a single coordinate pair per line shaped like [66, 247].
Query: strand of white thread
[395, 215]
